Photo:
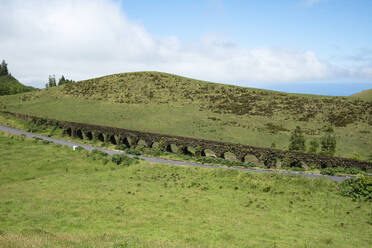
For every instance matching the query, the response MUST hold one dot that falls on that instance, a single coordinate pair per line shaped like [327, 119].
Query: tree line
[52, 82]
[327, 142]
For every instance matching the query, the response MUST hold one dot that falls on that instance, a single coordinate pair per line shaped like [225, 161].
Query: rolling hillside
[364, 95]
[9, 86]
[165, 103]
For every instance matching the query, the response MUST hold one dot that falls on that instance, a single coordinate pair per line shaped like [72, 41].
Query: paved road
[168, 161]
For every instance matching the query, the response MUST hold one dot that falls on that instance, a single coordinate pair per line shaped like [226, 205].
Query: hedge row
[270, 157]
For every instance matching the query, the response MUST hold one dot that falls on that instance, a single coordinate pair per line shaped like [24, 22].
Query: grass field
[169, 104]
[52, 196]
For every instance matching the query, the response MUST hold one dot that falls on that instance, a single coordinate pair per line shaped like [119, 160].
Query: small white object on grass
[74, 147]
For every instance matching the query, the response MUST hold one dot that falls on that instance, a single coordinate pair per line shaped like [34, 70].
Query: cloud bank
[89, 38]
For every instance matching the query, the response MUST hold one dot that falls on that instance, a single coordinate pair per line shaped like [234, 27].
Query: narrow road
[168, 161]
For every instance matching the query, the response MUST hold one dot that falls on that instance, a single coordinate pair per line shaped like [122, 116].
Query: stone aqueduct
[197, 147]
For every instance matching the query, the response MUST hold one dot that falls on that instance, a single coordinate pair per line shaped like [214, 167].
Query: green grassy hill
[9, 86]
[165, 103]
[364, 95]
[51, 196]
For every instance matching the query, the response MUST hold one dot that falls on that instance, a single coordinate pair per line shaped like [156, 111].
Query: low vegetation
[53, 196]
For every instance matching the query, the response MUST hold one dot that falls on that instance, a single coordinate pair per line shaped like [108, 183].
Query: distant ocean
[333, 89]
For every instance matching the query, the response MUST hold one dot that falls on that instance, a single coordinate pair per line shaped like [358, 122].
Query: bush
[133, 151]
[121, 147]
[35, 126]
[328, 143]
[36, 140]
[98, 153]
[331, 171]
[221, 161]
[52, 131]
[116, 159]
[297, 140]
[358, 188]
[123, 160]
[314, 145]
[79, 149]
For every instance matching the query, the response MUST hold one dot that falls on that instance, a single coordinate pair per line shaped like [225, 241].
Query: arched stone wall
[266, 155]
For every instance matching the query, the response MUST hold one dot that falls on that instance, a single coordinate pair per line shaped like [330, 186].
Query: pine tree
[4, 68]
[314, 145]
[62, 81]
[297, 140]
[328, 143]
[51, 81]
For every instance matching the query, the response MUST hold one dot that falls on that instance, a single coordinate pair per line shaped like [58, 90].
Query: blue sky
[309, 46]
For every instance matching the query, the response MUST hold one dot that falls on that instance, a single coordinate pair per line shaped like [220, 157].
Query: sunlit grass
[51, 195]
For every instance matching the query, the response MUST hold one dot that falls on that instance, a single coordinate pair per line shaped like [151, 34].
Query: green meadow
[51, 196]
[169, 104]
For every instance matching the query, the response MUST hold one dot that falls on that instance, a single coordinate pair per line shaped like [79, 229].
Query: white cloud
[89, 38]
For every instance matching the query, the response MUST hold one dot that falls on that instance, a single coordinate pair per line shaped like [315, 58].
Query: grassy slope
[364, 95]
[9, 86]
[165, 103]
[53, 196]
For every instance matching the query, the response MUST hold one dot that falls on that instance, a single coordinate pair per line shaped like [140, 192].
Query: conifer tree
[4, 68]
[51, 81]
[328, 143]
[62, 81]
[297, 140]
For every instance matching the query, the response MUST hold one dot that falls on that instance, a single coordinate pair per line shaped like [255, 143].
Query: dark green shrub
[133, 151]
[122, 147]
[98, 153]
[51, 133]
[358, 188]
[314, 146]
[331, 171]
[116, 159]
[124, 160]
[79, 149]
[297, 140]
[328, 143]
[328, 171]
[155, 152]
[36, 140]
[221, 161]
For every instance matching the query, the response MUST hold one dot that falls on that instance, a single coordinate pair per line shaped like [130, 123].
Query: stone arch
[251, 158]
[156, 145]
[68, 131]
[130, 141]
[118, 139]
[189, 150]
[208, 153]
[126, 142]
[142, 143]
[229, 156]
[112, 140]
[173, 148]
[88, 135]
[101, 137]
[79, 134]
